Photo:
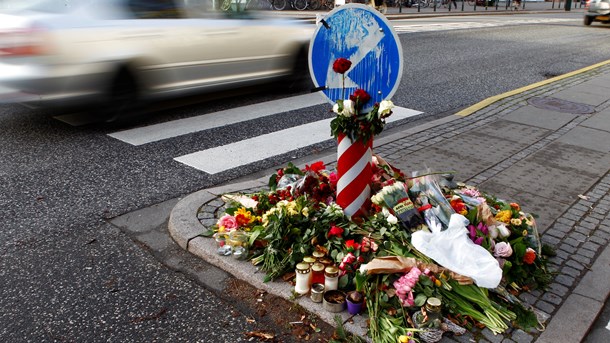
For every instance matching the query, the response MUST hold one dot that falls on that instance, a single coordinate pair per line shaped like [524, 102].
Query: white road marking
[472, 25]
[258, 148]
[157, 132]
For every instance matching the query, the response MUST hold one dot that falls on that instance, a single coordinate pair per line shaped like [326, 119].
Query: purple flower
[478, 241]
[473, 231]
[483, 228]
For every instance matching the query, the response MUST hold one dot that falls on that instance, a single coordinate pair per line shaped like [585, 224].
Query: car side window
[154, 9]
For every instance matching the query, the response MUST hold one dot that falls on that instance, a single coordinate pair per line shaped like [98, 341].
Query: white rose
[503, 249]
[504, 231]
[392, 219]
[349, 108]
[336, 108]
[385, 108]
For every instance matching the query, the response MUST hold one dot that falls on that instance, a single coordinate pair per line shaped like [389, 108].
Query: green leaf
[420, 300]
[343, 281]
[207, 233]
[253, 236]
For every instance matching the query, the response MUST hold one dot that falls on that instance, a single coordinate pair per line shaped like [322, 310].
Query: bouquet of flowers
[350, 120]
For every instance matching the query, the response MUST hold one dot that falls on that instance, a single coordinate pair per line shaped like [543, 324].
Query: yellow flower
[516, 221]
[438, 283]
[524, 233]
[504, 216]
[221, 229]
[403, 339]
[305, 212]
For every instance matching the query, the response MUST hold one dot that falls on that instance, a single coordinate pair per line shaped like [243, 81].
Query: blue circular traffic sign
[366, 38]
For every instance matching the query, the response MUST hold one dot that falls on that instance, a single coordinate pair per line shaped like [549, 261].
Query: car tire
[588, 20]
[314, 5]
[300, 5]
[279, 5]
[123, 98]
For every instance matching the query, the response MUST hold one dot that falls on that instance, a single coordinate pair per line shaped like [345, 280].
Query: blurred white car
[125, 52]
[598, 10]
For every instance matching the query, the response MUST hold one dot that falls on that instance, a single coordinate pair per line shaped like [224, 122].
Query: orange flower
[530, 256]
[515, 206]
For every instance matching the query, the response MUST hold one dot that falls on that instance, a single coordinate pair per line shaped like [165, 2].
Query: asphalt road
[68, 275]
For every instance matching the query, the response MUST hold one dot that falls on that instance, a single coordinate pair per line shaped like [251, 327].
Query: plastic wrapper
[425, 190]
[453, 250]
[396, 198]
[401, 264]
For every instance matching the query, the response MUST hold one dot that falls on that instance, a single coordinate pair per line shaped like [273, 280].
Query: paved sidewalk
[546, 146]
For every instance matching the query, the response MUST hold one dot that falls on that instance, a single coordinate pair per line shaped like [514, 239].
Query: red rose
[351, 245]
[316, 167]
[360, 97]
[341, 65]
[335, 231]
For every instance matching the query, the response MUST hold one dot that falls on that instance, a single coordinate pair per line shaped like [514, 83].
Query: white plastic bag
[453, 250]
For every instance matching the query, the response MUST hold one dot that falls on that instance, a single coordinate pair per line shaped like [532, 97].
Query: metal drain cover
[560, 105]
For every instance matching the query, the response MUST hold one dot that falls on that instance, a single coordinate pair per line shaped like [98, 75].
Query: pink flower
[349, 258]
[227, 223]
[333, 178]
[503, 249]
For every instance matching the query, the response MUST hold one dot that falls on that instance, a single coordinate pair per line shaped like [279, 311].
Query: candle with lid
[303, 278]
[331, 278]
[317, 273]
[317, 255]
[309, 260]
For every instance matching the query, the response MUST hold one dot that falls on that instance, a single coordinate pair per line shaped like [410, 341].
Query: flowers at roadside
[530, 256]
[341, 65]
[503, 249]
[404, 286]
[227, 223]
[335, 231]
[351, 245]
[351, 120]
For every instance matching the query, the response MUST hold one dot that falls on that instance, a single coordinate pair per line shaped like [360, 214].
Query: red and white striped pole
[354, 170]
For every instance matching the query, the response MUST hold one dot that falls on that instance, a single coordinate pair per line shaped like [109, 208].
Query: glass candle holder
[303, 278]
[331, 278]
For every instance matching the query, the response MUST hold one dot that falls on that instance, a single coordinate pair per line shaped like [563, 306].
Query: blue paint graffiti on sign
[367, 39]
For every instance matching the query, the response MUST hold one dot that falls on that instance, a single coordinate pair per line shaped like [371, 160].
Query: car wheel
[279, 5]
[314, 5]
[299, 78]
[588, 20]
[123, 98]
[300, 5]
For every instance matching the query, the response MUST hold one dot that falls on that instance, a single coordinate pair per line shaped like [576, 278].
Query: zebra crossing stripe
[175, 128]
[226, 157]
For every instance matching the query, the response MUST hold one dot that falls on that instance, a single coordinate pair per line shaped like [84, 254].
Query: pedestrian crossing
[430, 27]
[233, 155]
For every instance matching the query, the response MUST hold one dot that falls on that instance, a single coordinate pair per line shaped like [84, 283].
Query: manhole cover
[560, 105]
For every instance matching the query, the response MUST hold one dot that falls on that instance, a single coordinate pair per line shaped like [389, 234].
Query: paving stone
[586, 253]
[528, 298]
[575, 264]
[601, 240]
[552, 298]
[550, 240]
[566, 221]
[571, 271]
[558, 289]
[565, 280]
[545, 306]
[581, 238]
[571, 242]
[491, 337]
[520, 336]
[590, 246]
[588, 225]
[582, 259]
[583, 230]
